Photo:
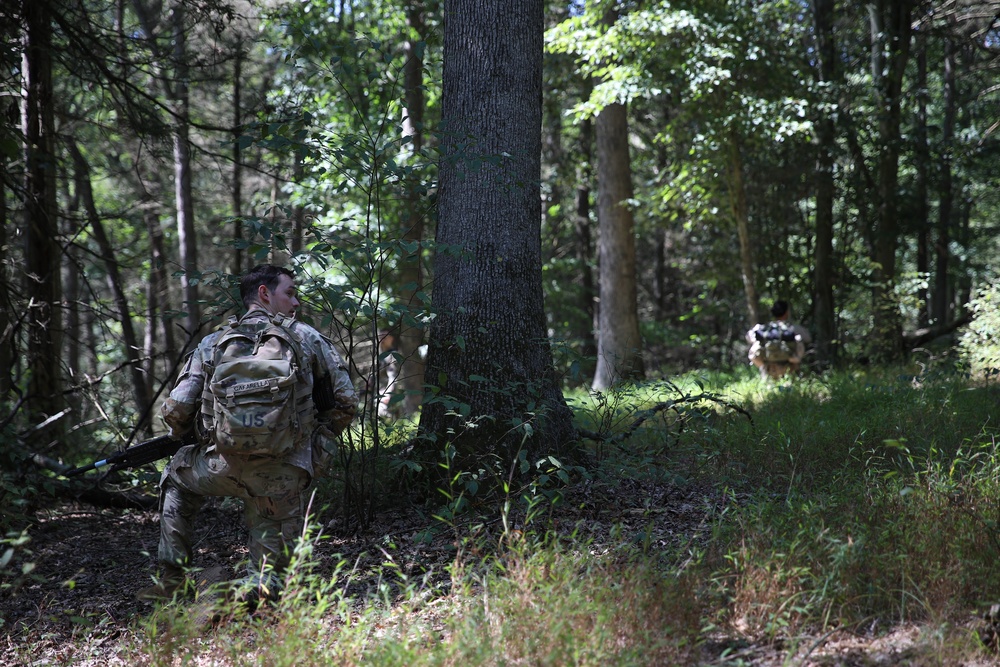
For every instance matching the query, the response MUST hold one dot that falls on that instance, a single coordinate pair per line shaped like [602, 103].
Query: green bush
[979, 346]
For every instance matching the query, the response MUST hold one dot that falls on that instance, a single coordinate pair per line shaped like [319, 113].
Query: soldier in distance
[777, 347]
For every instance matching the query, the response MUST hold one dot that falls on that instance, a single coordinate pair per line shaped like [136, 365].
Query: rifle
[145, 452]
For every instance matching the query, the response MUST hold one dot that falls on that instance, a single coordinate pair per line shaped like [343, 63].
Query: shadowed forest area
[538, 234]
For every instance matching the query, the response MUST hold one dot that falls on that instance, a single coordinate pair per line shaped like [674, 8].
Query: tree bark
[891, 33]
[585, 242]
[298, 227]
[738, 207]
[941, 298]
[411, 332]
[238, 159]
[619, 344]
[72, 328]
[159, 279]
[490, 361]
[187, 240]
[6, 321]
[922, 167]
[42, 255]
[824, 309]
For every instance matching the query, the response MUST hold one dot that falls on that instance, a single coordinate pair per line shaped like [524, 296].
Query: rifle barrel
[145, 452]
[82, 469]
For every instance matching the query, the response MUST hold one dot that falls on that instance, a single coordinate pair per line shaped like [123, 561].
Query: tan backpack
[778, 342]
[261, 403]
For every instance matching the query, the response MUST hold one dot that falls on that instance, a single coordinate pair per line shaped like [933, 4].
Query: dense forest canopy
[698, 159]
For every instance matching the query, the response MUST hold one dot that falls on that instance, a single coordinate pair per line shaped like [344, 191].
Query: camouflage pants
[776, 371]
[273, 493]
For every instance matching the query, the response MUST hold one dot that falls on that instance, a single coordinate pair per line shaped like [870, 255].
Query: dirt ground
[91, 561]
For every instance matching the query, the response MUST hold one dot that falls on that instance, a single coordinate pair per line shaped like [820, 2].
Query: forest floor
[82, 609]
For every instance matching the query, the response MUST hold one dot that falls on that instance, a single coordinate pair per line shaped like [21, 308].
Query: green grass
[870, 499]
[853, 501]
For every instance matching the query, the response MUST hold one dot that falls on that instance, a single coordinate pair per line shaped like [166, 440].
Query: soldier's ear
[263, 295]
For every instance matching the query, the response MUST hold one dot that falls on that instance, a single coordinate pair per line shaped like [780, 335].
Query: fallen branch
[646, 414]
[912, 339]
[88, 491]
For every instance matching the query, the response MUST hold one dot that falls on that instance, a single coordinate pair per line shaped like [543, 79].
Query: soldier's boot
[255, 589]
[170, 582]
[211, 588]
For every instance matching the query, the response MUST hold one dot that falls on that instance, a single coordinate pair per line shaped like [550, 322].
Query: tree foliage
[138, 177]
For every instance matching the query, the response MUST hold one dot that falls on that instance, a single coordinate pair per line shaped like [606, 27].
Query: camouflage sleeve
[180, 409]
[342, 403]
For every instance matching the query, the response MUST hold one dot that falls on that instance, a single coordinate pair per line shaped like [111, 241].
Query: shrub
[979, 346]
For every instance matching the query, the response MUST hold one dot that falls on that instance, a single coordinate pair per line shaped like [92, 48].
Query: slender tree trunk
[490, 360]
[6, 321]
[411, 333]
[238, 159]
[738, 207]
[71, 333]
[183, 196]
[892, 33]
[159, 279]
[823, 308]
[129, 339]
[149, 334]
[277, 256]
[72, 269]
[619, 343]
[922, 165]
[298, 212]
[942, 245]
[661, 291]
[964, 287]
[42, 255]
[584, 240]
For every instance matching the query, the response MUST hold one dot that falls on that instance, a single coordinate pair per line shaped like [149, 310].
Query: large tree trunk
[495, 391]
[941, 299]
[891, 33]
[129, 339]
[619, 344]
[823, 307]
[42, 253]
[738, 208]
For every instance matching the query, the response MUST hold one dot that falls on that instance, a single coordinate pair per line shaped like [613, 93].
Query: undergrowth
[851, 502]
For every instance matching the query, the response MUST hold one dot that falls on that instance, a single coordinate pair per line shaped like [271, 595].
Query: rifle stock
[145, 452]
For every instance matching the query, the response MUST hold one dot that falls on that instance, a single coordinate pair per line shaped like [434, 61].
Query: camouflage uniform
[272, 488]
[776, 371]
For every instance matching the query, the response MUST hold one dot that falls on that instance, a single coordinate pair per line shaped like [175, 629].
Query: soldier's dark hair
[262, 274]
[779, 308]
